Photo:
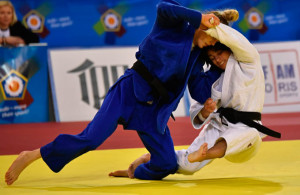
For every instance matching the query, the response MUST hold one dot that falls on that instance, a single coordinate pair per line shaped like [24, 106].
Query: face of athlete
[219, 58]
[201, 39]
[6, 15]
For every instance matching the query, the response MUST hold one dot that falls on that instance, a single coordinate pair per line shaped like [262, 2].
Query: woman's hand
[14, 41]
[209, 106]
[209, 21]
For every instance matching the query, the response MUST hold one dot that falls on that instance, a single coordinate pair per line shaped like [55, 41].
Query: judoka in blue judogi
[167, 53]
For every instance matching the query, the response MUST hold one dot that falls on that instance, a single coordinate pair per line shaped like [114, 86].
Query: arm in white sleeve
[242, 49]
[194, 110]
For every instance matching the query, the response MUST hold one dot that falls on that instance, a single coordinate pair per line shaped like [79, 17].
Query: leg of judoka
[24, 159]
[217, 151]
[132, 167]
[62, 150]
[163, 159]
[65, 147]
[130, 171]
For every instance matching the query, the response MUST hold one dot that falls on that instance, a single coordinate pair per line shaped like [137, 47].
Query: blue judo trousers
[167, 54]
[120, 102]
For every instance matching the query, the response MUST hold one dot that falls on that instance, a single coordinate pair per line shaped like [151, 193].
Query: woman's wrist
[200, 116]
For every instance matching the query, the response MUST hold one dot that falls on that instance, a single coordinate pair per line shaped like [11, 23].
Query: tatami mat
[275, 170]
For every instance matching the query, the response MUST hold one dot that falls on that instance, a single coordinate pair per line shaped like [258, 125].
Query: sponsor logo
[254, 18]
[13, 86]
[111, 21]
[34, 21]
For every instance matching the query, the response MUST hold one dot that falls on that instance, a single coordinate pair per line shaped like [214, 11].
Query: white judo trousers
[240, 87]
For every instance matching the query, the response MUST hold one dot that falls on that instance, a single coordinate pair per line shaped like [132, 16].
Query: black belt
[247, 118]
[159, 90]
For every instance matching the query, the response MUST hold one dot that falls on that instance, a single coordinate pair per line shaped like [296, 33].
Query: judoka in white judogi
[240, 87]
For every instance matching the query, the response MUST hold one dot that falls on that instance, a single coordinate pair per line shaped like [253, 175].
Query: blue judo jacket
[168, 55]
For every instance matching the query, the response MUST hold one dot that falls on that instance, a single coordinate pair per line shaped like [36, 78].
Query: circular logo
[111, 21]
[254, 19]
[34, 22]
[14, 86]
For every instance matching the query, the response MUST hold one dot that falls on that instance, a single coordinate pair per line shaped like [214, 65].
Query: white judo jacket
[242, 85]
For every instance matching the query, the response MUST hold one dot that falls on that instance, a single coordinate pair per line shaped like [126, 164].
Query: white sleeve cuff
[194, 110]
[201, 117]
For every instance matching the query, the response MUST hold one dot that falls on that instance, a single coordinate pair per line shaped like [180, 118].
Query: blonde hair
[226, 15]
[8, 3]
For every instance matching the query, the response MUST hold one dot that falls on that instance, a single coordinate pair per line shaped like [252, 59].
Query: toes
[111, 174]
[119, 173]
[9, 179]
[115, 173]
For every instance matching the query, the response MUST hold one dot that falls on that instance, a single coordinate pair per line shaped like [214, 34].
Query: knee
[169, 165]
[172, 166]
[147, 172]
[156, 169]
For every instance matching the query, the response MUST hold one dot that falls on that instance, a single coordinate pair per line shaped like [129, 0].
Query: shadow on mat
[211, 186]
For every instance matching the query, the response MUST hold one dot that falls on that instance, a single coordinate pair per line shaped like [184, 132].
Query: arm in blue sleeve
[168, 12]
[200, 83]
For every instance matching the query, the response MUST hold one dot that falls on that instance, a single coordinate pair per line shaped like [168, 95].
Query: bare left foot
[119, 173]
[23, 160]
[142, 159]
[131, 170]
[198, 155]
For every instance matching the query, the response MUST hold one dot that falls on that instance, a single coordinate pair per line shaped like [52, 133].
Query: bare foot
[131, 170]
[198, 155]
[24, 159]
[119, 173]
[143, 159]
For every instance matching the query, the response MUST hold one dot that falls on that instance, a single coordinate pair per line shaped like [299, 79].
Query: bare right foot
[23, 160]
[198, 155]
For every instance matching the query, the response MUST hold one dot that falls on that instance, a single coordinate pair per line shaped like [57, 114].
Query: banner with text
[23, 85]
[81, 78]
[281, 67]
[65, 23]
